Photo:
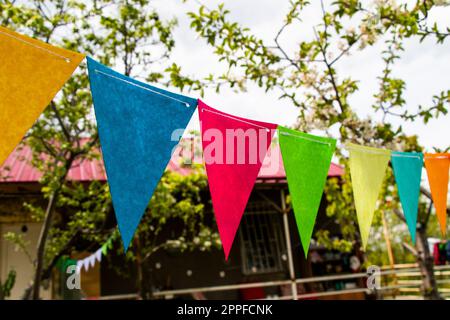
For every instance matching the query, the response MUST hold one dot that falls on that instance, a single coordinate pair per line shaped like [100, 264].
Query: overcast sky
[425, 67]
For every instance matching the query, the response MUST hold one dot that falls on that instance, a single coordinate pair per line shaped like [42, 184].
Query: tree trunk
[146, 280]
[45, 229]
[425, 261]
[140, 280]
[41, 246]
[426, 265]
[140, 269]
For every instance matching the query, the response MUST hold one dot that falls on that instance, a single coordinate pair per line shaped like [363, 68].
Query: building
[266, 249]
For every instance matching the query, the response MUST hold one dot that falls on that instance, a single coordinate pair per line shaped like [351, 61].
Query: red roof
[17, 167]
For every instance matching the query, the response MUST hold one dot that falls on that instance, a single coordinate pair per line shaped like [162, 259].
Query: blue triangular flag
[408, 172]
[136, 123]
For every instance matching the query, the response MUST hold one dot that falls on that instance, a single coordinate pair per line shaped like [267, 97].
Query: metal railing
[400, 286]
[407, 284]
[400, 272]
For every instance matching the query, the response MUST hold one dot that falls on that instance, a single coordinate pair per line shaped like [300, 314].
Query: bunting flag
[136, 123]
[437, 166]
[31, 74]
[64, 263]
[89, 261]
[79, 266]
[367, 169]
[82, 264]
[233, 149]
[408, 173]
[306, 160]
[98, 255]
[106, 246]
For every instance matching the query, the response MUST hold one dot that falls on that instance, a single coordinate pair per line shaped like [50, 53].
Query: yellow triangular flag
[31, 74]
[367, 169]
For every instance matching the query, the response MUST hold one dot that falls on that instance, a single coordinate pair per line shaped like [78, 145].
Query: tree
[175, 221]
[126, 33]
[6, 287]
[309, 78]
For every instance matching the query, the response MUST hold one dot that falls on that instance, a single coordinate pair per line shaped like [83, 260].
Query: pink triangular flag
[233, 149]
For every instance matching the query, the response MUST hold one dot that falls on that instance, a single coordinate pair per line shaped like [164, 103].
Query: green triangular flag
[367, 169]
[108, 245]
[306, 160]
[104, 249]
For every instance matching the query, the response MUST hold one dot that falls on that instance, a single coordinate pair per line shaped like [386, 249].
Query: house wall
[90, 279]
[13, 259]
[175, 270]
[170, 270]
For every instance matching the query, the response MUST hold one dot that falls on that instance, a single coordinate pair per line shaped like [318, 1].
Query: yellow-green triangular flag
[367, 169]
[31, 74]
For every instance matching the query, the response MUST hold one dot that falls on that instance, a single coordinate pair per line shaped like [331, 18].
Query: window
[262, 242]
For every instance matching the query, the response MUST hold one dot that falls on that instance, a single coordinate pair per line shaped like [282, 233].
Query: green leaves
[311, 70]
[347, 8]
[440, 107]
[235, 46]
[175, 219]
[311, 79]
[126, 33]
[6, 287]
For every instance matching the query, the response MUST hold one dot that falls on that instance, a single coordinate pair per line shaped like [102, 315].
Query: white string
[305, 138]
[438, 157]
[142, 87]
[348, 147]
[237, 119]
[36, 46]
[405, 155]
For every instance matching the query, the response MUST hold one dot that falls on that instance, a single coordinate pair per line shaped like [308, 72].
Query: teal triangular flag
[408, 173]
[136, 124]
[306, 160]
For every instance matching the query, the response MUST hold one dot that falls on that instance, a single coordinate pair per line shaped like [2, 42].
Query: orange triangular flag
[31, 73]
[437, 165]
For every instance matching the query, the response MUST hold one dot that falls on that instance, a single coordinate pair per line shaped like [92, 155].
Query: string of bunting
[89, 261]
[136, 121]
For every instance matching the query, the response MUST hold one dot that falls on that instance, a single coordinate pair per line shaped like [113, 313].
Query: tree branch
[411, 250]
[330, 73]
[60, 121]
